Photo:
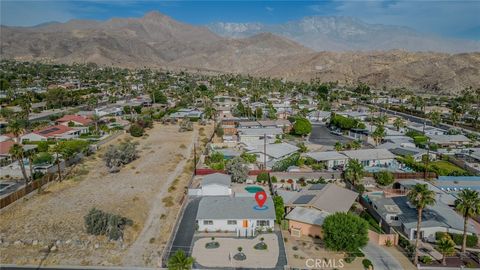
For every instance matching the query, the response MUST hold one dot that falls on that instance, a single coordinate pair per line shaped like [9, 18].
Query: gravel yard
[48, 228]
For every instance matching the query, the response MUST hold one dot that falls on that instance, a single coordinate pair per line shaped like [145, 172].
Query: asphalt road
[322, 135]
[186, 228]
[380, 258]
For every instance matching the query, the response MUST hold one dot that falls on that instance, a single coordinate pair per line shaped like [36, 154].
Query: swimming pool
[253, 189]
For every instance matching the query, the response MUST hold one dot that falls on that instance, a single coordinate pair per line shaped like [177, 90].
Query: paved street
[322, 135]
[380, 258]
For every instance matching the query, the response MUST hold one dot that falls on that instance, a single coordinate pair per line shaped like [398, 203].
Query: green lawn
[446, 168]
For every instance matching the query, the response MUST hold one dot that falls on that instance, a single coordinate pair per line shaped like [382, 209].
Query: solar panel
[317, 186]
[304, 199]
[49, 130]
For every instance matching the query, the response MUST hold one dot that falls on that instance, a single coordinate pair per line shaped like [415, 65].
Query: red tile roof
[52, 130]
[75, 118]
[5, 147]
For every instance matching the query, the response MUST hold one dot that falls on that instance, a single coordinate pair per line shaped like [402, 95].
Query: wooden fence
[25, 190]
[206, 171]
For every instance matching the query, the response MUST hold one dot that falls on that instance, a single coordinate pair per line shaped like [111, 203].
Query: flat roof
[307, 215]
[226, 207]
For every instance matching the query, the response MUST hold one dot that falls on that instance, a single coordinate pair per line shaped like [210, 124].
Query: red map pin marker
[261, 197]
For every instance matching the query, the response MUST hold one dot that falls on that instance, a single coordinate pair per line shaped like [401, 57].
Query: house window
[393, 218]
[208, 222]
[263, 223]
[231, 222]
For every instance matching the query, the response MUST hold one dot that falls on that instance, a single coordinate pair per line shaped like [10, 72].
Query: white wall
[222, 224]
[32, 137]
[216, 190]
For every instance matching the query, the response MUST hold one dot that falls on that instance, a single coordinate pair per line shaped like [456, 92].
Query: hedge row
[472, 240]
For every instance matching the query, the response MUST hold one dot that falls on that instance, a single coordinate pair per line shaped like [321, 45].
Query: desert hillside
[156, 40]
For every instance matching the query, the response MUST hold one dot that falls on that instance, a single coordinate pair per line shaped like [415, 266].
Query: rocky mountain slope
[323, 33]
[156, 40]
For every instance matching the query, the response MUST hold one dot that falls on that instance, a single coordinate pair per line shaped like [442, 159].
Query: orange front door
[245, 223]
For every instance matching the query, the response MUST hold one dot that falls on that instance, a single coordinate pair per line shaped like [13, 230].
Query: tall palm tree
[399, 123]
[16, 128]
[180, 261]
[446, 246]
[17, 153]
[379, 134]
[468, 204]
[420, 197]
[354, 171]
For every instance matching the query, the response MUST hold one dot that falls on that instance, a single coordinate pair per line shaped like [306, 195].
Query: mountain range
[158, 41]
[323, 33]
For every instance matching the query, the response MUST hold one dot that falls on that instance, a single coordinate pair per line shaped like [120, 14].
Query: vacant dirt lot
[148, 191]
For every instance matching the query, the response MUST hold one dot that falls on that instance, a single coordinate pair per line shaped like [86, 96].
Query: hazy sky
[446, 18]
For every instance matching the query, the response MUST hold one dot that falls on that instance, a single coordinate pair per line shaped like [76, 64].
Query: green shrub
[384, 178]
[43, 158]
[472, 240]
[136, 130]
[98, 222]
[262, 177]
[350, 259]
[426, 259]
[367, 263]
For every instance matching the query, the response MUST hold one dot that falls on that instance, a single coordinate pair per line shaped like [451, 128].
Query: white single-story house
[216, 184]
[449, 140]
[332, 159]
[255, 136]
[60, 132]
[190, 113]
[319, 116]
[234, 214]
[274, 152]
[421, 128]
[371, 157]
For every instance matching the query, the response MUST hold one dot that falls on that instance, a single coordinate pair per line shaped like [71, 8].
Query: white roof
[448, 138]
[276, 150]
[369, 154]
[325, 156]
[259, 131]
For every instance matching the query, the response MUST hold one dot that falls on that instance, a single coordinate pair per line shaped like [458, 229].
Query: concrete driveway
[381, 258]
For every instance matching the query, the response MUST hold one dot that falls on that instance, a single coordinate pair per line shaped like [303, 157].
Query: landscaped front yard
[237, 252]
[303, 251]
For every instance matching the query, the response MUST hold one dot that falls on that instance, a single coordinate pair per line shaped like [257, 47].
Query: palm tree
[399, 123]
[15, 126]
[379, 134]
[446, 246]
[468, 204]
[95, 118]
[17, 153]
[180, 261]
[435, 117]
[420, 197]
[354, 171]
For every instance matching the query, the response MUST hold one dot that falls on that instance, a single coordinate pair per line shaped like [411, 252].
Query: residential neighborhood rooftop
[226, 207]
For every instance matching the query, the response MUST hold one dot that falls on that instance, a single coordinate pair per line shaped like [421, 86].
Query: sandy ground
[303, 252]
[141, 191]
[223, 256]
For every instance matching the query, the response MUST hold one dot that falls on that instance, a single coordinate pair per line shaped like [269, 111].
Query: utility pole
[427, 161]
[265, 151]
[194, 159]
